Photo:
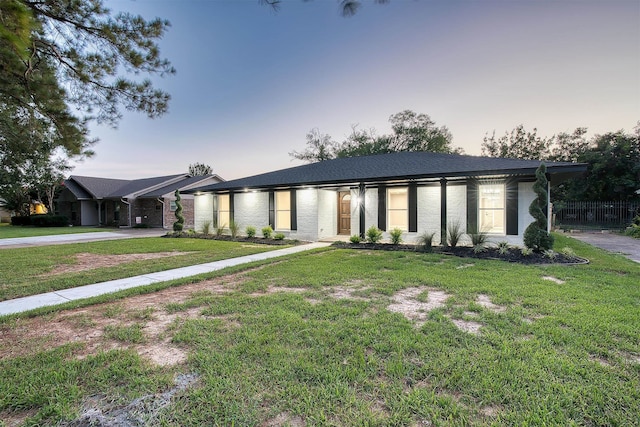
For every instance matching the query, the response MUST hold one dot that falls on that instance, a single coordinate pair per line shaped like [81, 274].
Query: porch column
[361, 211]
[99, 212]
[443, 212]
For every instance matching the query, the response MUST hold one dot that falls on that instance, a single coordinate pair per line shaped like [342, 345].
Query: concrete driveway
[58, 239]
[616, 243]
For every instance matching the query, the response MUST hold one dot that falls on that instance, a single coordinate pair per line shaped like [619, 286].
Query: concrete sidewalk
[612, 242]
[20, 305]
[58, 239]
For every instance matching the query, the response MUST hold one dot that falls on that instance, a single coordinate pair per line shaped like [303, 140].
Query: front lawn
[343, 337]
[8, 231]
[35, 270]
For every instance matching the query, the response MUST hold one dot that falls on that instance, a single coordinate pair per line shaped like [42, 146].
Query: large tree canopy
[411, 132]
[613, 158]
[62, 64]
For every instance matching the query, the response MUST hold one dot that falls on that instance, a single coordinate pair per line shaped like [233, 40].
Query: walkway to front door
[344, 212]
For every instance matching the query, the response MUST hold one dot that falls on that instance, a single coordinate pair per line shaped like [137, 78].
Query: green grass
[561, 354]
[9, 231]
[24, 271]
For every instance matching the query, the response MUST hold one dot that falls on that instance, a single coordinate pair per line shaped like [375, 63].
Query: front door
[344, 212]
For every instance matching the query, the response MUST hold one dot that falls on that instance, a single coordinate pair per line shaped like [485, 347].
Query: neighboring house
[117, 202]
[5, 215]
[416, 192]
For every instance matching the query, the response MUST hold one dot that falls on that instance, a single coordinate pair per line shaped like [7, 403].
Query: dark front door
[344, 212]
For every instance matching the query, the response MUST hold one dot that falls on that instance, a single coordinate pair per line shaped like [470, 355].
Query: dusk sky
[251, 82]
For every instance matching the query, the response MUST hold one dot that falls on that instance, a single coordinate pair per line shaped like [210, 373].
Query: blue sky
[252, 82]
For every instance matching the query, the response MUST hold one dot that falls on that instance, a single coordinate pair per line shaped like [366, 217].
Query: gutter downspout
[128, 210]
[162, 202]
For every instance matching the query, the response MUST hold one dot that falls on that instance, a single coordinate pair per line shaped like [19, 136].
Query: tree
[613, 160]
[320, 147]
[417, 132]
[614, 167]
[536, 236]
[65, 63]
[518, 144]
[179, 224]
[348, 8]
[411, 132]
[199, 169]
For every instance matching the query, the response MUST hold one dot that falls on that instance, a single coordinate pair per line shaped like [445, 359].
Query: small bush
[267, 232]
[567, 251]
[478, 239]
[633, 230]
[278, 236]
[374, 235]
[234, 228]
[425, 240]
[355, 239]
[48, 220]
[20, 220]
[251, 231]
[220, 230]
[191, 232]
[503, 247]
[479, 248]
[454, 233]
[550, 254]
[526, 251]
[206, 227]
[396, 236]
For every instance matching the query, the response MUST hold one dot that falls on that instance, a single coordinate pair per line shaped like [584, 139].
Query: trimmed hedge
[41, 220]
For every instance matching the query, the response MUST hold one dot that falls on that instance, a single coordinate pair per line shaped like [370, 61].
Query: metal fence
[595, 215]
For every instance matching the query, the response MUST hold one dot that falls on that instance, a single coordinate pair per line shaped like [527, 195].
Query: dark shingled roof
[175, 186]
[88, 187]
[393, 166]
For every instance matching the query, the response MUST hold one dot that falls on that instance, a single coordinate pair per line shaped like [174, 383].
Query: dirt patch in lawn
[88, 261]
[86, 326]
[406, 303]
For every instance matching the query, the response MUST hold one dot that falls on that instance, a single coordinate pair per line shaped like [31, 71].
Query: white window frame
[282, 208]
[405, 209]
[224, 215]
[490, 210]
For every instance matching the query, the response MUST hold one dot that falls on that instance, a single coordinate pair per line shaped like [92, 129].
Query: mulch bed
[512, 254]
[243, 239]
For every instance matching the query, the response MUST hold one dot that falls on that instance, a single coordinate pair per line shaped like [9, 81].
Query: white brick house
[415, 191]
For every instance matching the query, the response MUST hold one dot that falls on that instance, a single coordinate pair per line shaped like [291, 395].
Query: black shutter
[293, 211]
[382, 207]
[512, 207]
[413, 208]
[272, 209]
[472, 206]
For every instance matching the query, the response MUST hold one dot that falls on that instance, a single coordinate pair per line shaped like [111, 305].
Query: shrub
[454, 233]
[251, 231]
[396, 236]
[267, 232]
[567, 251]
[633, 230]
[550, 254]
[234, 228]
[526, 251]
[480, 238]
[536, 236]
[278, 236]
[374, 235]
[426, 241]
[20, 220]
[47, 220]
[220, 230]
[206, 227]
[503, 247]
[141, 225]
[179, 224]
[355, 239]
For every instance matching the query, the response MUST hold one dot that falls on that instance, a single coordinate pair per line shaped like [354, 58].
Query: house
[125, 203]
[416, 192]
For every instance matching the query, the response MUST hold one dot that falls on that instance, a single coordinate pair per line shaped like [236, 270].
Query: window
[491, 208]
[116, 212]
[398, 208]
[223, 211]
[173, 206]
[283, 210]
